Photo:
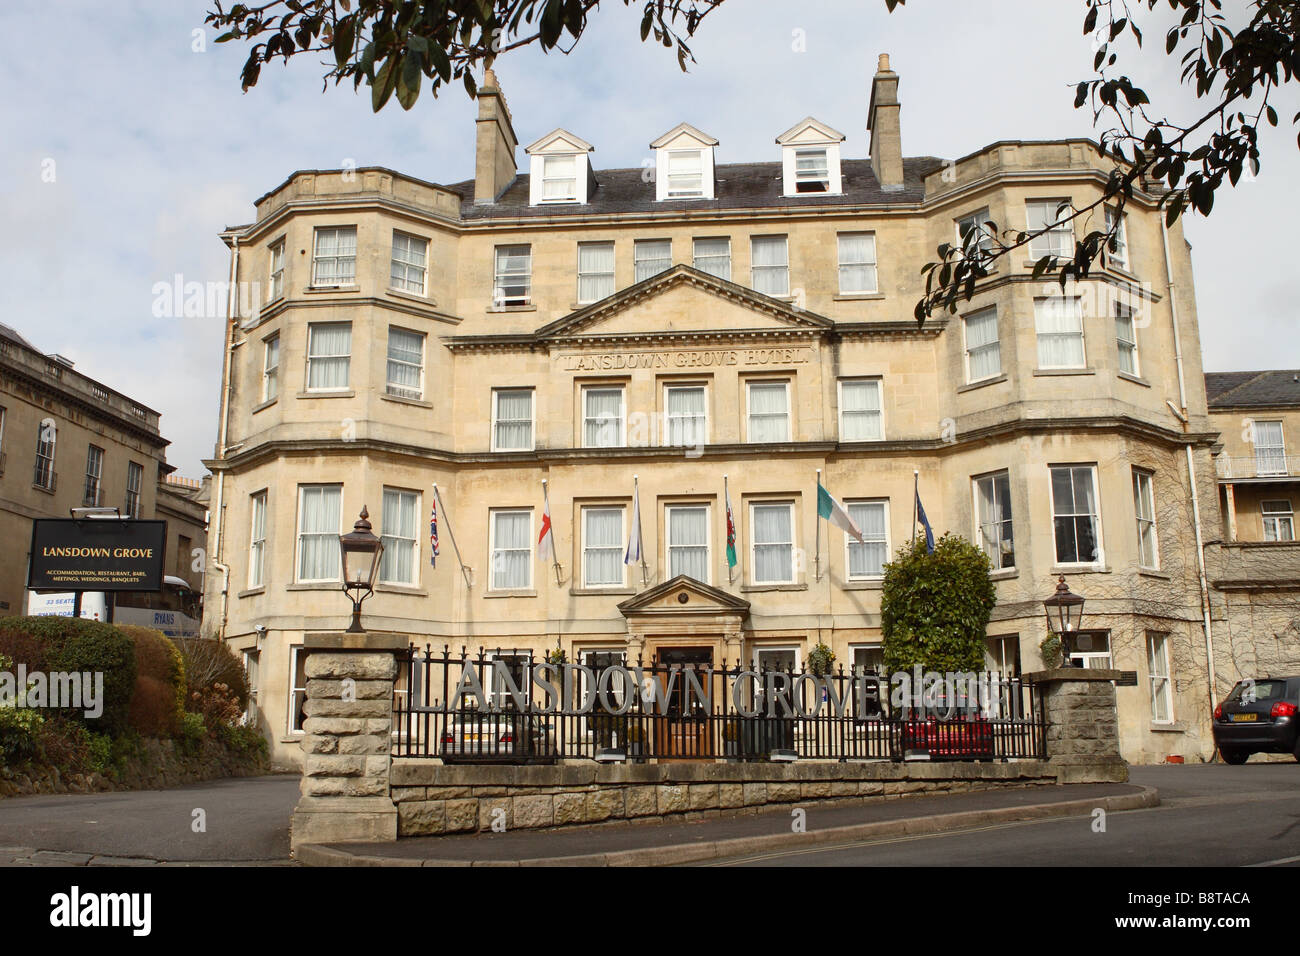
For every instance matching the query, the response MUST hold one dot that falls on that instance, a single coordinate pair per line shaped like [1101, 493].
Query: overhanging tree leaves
[934, 608]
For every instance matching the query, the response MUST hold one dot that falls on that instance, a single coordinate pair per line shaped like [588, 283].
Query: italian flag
[834, 512]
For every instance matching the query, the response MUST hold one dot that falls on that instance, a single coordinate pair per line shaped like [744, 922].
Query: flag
[633, 553]
[835, 513]
[546, 540]
[925, 522]
[433, 534]
[731, 533]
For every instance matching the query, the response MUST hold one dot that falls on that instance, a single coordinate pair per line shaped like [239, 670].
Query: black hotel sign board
[97, 555]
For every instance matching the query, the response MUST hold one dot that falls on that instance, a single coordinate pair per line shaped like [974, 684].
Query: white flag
[546, 541]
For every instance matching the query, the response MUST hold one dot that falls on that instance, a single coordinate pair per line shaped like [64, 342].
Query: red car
[968, 738]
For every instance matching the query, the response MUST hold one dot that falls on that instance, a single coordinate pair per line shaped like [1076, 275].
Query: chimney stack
[882, 123]
[494, 155]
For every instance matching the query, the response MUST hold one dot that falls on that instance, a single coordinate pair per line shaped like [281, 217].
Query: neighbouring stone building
[710, 334]
[68, 441]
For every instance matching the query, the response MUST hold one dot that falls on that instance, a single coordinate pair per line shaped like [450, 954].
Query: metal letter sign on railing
[503, 706]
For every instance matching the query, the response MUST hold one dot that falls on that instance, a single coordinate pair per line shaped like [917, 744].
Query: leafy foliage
[159, 695]
[934, 608]
[208, 663]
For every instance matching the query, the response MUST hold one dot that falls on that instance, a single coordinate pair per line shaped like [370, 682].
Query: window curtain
[772, 544]
[1270, 453]
[602, 558]
[771, 265]
[685, 416]
[336, 256]
[994, 502]
[405, 360]
[1060, 240]
[652, 258]
[257, 543]
[861, 412]
[688, 551]
[511, 549]
[714, 257]
[982, 345]
[318, 534]
[595, 271]
[397, 563]
[857, 263]
[329, 356]
[868, 558]
[769, 418]
[1126, 338]
[407, 271]
[604, 417]
[558, 177]
[514, 268]
[514, 423]
[1059, 322]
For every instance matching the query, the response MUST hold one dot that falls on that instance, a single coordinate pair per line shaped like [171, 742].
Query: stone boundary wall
[434, 798]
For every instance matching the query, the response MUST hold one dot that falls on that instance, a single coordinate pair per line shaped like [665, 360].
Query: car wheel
[1234, 757]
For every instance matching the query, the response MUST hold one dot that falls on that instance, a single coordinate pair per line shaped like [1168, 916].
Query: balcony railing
[1271, 465]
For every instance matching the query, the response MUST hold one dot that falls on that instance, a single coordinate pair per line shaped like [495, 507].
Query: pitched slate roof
[1262, 389]
[738, 186]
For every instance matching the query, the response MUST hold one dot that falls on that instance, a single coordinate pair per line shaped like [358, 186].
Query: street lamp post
[1064, 612]
[361, 551]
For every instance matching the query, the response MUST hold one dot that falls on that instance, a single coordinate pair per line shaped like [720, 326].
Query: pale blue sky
[155, 150]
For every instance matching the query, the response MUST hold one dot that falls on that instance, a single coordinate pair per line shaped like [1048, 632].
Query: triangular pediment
[684, 300]
[559, 141]
[681, 596]
[683, 135]
[810, 131]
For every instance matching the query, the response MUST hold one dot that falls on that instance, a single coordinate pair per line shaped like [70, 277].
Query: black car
[1259, 716]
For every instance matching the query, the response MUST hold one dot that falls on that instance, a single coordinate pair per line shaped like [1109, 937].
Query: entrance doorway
[684, 732]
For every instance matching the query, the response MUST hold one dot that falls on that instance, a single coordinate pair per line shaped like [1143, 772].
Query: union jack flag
[433, 534]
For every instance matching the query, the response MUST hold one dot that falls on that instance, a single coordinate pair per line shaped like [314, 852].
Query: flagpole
[555, 556]
[817, 551]
[446, 517]
[636, 496]
[916, 496]
[726, 518]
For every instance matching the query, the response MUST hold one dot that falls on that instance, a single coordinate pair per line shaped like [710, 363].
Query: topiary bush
[75, 645]
[158, 699]
[934, 608]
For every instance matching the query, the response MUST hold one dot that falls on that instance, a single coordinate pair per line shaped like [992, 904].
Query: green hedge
[158, 699]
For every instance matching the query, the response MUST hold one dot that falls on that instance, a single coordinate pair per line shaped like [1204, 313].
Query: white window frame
[622, 413]
[596, 275]
[749, 415]
[1120, 256]
[311, 334]
[762, 649]
[880, 400]
[298, 534]
[1143, 479]
[995, 345]
[1093, 659]
[782, 268]
[1159, 680]
[532, 418]
[995, 654]
[1038, 334]
[695, 256]
[43, 474]
[500, 698]
[492, 548]
[1129, 345]
[877, 649]
[873, 262]
[1057, 241]
[317, 258]
[257, 539]
[94, 489]
[391, 541]
[1100, 560]
[584, 512]
[508, 251]
[994, 560]
[807, 177]
[271, 367]
[754, 544]
[390, 387]
[639, 246]
[275, 284]
[850, 543]
[708, 535]
[569, 195]
[1274, 518]
[669, 418]
[295, 651]
[680, 192]
[403, 261]
[1273, 453]
[134, 488]
[977, 218]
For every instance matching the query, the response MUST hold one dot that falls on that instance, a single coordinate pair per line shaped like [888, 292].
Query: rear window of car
[1263, 690]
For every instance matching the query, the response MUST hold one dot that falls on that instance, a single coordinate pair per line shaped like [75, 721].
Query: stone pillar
[347, 749]
[1082, 725]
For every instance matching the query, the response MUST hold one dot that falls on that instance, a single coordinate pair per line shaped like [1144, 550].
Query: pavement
[240, 821]
[658, 844]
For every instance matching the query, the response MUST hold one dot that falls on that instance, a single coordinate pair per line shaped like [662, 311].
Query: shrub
[158, 699]
[934, 608]
[207, 663]
[75, 645]
[218, 707]
[22, 646]
[242, 739]
[192, 731]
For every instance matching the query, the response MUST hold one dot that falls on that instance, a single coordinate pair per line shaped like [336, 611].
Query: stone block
[328, 707]
[671, 798]
[569, 808]
[344, 786]
[421, 818]
[372, 744]
[731, 795]
[332, 765]
[703, 796]
[755, 794]
[322, 688]
[641, 801]
[605, 804]
[359, 665]
[782, 792]
[531, 812]
[317, 744]
[462, 815]
[495, 810]
[336, 726]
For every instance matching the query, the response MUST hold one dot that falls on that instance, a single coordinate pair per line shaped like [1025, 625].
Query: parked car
[1259, 716]
[963, 738]
[507, 737]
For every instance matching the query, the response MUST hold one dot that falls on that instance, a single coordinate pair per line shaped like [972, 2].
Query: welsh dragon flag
[731, 534]
[835, 513]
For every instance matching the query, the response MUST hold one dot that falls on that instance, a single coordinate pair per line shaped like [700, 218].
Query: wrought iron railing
[1264, 465]
[508, 707]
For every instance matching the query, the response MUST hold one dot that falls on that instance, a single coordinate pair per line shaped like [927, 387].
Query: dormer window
[810, 155]
[559, 169]
[684, 164]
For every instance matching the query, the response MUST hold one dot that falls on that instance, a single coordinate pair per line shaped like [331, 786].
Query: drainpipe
[219, 511]
[1206, 625]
